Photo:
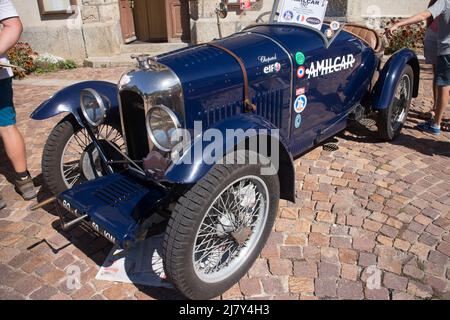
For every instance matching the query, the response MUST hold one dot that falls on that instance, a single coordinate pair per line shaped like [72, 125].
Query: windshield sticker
[335, 25]
[300, 58]
[288, 15]
[306, 12]
[301, 72]
[300, 104]
[298, 121]
[327, 66]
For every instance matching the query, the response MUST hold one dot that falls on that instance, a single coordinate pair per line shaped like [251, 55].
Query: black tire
[53, 151]
[386, 128]
[187, 217]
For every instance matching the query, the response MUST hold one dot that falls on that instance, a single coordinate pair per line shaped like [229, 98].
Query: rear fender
[384, 89]
[191, 167]
[68, 100]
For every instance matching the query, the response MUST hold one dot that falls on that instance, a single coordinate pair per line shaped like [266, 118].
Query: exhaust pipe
[42, 204]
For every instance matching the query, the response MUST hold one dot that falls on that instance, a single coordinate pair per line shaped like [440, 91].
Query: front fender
[192, 166]
[68, 100]
[384, 90]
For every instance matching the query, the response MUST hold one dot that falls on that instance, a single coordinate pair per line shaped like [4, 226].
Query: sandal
[26, 188]
[426, 115]
[445, 126]
[2, 202]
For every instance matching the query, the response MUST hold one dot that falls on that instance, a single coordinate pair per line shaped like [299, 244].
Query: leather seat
[369, 36]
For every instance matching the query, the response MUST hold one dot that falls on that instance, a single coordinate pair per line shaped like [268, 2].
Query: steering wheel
[264, 17]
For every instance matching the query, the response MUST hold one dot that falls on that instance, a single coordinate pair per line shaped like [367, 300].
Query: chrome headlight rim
[101, 104]
[173, 117]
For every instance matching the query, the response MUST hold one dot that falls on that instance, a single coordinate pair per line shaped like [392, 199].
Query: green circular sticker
[300, 58]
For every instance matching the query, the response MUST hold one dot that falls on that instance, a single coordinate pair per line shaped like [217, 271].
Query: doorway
[156, 20]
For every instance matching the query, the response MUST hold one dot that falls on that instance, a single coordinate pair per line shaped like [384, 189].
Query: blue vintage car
[122, 160]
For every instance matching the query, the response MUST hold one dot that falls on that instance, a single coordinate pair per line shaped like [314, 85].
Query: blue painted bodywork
[68, 100]
[390, 76]
[116, 205]
[212, 85]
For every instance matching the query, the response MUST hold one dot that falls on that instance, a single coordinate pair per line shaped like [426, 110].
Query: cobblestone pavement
[370, 213]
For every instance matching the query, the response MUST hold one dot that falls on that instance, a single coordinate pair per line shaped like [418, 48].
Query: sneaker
[2, 202]
[25, 188]
[429, 128]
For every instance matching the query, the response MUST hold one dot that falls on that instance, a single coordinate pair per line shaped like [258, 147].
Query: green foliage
[43, 66]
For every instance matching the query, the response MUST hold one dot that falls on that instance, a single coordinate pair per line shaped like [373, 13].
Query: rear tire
[392, 119]
[188, 253]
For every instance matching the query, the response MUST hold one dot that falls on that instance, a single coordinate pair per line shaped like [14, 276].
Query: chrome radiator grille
[133, 120]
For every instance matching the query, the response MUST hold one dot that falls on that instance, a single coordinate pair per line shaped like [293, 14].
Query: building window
[56, 7]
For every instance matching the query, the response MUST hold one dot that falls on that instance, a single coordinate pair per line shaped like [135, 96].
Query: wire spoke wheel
[80, 161]
[391, 119]
[230, 229]
[401, 101]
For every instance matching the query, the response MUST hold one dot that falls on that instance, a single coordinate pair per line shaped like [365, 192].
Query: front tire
[218, 229]
[392, 119]
[70, 158]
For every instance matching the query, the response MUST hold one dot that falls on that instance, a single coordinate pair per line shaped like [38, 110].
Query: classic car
[110, 162]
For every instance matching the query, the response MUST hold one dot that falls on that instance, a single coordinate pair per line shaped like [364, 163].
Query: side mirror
[222, 10]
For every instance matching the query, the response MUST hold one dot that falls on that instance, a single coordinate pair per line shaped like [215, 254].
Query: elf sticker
[276, 67]
[301, 71]
[300, 58]
[300, 91]
[298, 121]
[300, 104]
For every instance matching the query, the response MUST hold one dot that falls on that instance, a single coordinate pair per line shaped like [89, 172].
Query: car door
[320, 97]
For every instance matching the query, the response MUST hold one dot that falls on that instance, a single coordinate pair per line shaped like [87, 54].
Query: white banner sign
[304, 12]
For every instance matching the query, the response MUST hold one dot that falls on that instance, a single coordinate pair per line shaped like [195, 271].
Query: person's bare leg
[14, 147]
[442, 103]
[435, 90]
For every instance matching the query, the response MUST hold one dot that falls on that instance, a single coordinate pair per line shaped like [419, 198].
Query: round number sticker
[298, 121]
[300, 58]
[300, 104]
[301, 72]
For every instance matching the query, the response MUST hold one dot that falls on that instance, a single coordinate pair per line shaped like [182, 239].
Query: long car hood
[212, 79]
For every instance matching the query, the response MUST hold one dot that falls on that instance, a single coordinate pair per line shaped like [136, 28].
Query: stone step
[120, 60]
[145, 47]
[124, 58]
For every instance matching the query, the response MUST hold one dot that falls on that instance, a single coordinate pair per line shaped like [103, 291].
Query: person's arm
[10, 34]
[412, 20]
[439, 7]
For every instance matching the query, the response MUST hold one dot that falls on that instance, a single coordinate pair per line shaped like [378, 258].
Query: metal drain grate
[367, 122]
[330, 147]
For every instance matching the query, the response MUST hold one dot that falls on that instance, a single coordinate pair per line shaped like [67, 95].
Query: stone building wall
[101, 27]
[94, 29]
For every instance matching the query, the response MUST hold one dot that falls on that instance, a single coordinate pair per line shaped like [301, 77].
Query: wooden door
[150, 20]
[127, 20]
[178, 20]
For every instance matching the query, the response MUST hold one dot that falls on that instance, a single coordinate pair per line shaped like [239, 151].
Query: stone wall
[101, 27]
[93, 30]
[62, 37]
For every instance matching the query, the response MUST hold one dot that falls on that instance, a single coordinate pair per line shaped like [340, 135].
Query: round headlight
[163, 127]
[94, 106]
